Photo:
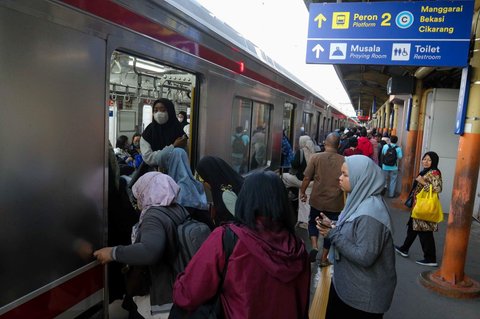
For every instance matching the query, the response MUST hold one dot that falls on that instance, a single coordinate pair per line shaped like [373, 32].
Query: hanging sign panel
[434, 33]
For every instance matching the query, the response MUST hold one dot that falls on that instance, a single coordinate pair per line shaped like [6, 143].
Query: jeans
[312, 224]
[391, 179]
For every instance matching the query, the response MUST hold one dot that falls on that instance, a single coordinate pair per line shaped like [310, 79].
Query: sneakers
[312, 256]
[401, 252]
[425, 262]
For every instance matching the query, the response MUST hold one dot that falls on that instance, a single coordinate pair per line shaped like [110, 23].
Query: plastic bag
[428, 207]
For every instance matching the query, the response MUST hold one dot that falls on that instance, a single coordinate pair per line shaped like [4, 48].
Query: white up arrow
[317, 49]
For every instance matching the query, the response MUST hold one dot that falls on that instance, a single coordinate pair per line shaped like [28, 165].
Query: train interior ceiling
[135, 84]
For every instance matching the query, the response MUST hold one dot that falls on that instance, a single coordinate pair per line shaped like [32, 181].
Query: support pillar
[382, 127]
[395, 119]
[387, 118]
[421, 125]
[450, 279]
[408, 160]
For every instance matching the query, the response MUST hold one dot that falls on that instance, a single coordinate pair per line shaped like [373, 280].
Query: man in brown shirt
[327, 197]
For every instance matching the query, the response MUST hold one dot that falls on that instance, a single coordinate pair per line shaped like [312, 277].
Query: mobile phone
[325, 225]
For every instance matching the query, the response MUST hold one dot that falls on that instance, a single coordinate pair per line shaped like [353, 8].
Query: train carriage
[78, 74]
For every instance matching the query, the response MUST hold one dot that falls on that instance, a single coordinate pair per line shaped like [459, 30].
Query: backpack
[238, 147]
[211, 308]
[189, 236]
[390, 156]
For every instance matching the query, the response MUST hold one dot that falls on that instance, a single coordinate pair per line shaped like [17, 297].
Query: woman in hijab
[182, 118]
[219, 177]
[364, 279]
[302, 156]
[164, 133]
[150, 241]
[268, 273]
[430, 175]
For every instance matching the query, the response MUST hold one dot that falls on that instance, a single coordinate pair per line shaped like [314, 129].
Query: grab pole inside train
[450, 279]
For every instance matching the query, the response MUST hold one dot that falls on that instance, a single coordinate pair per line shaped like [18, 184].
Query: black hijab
[184, 122]
[161, 135]
[434, 157]
[217, 173]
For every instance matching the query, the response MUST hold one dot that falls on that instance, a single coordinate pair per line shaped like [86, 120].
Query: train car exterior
[72, 80]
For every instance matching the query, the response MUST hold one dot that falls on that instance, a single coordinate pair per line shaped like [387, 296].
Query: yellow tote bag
[428, 207]
[318, 308]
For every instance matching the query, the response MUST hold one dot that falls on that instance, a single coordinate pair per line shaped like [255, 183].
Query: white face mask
[161, 117]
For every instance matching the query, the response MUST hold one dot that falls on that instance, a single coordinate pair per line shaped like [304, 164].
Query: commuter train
[77, 74]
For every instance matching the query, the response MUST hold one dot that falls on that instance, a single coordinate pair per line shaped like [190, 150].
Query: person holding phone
[364, 279]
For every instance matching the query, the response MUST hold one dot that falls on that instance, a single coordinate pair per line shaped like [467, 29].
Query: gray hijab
[367, 182]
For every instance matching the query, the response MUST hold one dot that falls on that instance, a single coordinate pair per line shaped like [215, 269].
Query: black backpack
[390, 156]
[238, 147]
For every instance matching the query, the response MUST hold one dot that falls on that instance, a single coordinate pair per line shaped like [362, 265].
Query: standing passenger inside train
[430, 175]
[364, 276]
[268, 274]
[150, 242]
[163, 134]
[221, 180]
[239, 143]
[182, 118]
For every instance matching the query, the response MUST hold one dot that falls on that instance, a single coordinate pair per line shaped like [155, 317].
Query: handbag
[411, 196]
[211, 309]
[428, 207]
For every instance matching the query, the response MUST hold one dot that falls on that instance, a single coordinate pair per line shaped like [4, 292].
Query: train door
[439, 137]
[250, 138]
[135, 84]
[307, 123]
[319, 136]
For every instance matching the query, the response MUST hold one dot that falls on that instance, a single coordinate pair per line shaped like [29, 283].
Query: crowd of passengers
[340, 190]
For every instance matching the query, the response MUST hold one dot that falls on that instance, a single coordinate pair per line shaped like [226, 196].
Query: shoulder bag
[428, 207]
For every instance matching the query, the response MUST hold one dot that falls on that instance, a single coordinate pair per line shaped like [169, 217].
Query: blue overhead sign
[434, 33]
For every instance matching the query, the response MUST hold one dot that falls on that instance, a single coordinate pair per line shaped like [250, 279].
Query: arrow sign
[320, 18]
[317, 49]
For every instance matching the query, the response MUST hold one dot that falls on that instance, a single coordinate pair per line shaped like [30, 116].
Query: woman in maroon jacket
[268, 273]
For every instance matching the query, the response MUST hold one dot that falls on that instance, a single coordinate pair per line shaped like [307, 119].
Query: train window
[250, 135]
[135, 83]
[288, 119]
[307, 122]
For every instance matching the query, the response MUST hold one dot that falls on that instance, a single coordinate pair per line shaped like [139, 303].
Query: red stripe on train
[61, 298]
[115, 13]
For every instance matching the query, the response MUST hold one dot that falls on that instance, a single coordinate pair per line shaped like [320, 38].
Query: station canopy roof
[364, 82]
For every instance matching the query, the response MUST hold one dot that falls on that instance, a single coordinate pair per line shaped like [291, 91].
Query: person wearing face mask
[163, 134]
[182, 118]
